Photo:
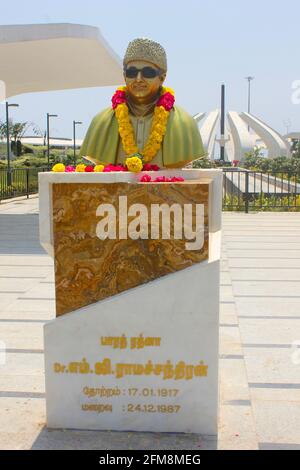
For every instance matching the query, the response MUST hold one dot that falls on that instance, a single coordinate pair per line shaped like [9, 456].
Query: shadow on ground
[19, 234]
[112, 440]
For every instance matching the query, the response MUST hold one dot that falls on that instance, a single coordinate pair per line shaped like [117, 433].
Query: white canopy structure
[239, 139]
[44, 57]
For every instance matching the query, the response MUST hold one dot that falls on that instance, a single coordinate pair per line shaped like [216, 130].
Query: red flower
[111, 167]
[107, 168]
[149, 167]
[119, 168]
[145, 179]
[89, 169]
[166, 100]
[118, 98]
[177, 179]
[165, 179]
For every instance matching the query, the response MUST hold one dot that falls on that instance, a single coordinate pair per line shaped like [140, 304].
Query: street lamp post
[249, 94]
[48, 137]
[74, 138]
[8, 142]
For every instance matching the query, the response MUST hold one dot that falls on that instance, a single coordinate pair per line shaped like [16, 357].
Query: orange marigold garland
[158, 128]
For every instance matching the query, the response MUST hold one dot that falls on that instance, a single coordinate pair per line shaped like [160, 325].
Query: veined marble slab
[142, 245]
[47, 179]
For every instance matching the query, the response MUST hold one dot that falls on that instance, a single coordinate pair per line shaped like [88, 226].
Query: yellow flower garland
[98, 168]
[134, 164]
[59, 168]
[80, 168]
[157, 132]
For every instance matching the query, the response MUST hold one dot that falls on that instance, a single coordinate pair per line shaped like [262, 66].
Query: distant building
[243, 133]
[55, 142]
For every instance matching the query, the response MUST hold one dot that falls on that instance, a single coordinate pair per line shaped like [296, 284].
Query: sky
[207, 43]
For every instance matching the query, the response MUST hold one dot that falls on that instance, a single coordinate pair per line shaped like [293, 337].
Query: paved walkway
[260, 321]
[261, 254]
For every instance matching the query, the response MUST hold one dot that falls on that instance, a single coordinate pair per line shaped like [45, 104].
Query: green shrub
[203, 162]
[285, 165]
[262, 202]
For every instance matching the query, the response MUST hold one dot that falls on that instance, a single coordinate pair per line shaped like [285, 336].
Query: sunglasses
[147, 72]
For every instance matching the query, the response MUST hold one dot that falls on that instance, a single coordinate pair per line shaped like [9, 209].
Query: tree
[16, 131]
[295, 148]
[253, 159]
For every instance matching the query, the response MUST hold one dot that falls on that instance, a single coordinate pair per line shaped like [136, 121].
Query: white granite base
[183, 310]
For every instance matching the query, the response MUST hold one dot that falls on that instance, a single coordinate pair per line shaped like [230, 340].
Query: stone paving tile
[265, 254]
[279, 331]
[237, 430]
[23, 362]
[270, 393]
[230, 342]
[225, 279]
[20, 415]
[233, 380]
[266, 288]
[259, 262]
[226, 294]
[277, 421]
[228, 308]
[268, 307]
[29, 260]
[271, 365]
[22, 336]
[22, 316]
[257, 239]
[228, 319]
[26, 272]
[267, 246]
[32, 305]
[265, 274]
[23, 383]
[12, 285]
[7, 299]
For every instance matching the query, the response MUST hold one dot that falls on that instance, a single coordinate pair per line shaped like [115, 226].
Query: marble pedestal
[145, 357]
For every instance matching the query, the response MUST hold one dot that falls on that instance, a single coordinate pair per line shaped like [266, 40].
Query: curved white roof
[44, 57]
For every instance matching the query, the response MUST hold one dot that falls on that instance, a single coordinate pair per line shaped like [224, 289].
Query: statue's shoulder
[103, 117]
[182, 114]
[180, 118]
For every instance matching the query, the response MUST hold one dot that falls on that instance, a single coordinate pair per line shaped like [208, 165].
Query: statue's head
[145, 69]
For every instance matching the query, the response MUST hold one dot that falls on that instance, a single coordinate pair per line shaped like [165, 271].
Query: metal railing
[243, 190]
[248, 190]
[19, 182]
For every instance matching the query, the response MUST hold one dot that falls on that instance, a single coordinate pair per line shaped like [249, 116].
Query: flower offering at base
[133, 164]
[161, 179]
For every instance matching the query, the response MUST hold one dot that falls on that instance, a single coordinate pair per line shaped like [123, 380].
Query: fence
[243, 190]
[246, 190]
[19, 182]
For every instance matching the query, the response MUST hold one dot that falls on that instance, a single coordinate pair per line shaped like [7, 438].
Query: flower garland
[82, 168]
[134, 165]
[158, 128]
